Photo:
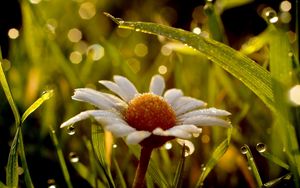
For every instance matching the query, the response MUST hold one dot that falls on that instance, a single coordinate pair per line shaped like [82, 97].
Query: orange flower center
[148, 111]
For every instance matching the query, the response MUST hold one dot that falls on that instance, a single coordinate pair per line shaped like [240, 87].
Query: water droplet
[270, 15]
[119, 20]
[208, 8]
[249, 168]
[114, 146]
[244, 149]
[51, 183]
[137, 29]
[261, 147]
[168, 145]
[73, 157]
[71, 130]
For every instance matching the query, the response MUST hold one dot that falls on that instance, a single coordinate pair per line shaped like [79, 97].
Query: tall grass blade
[12, 176]
[2, 185]
[243, 68]
[120, 178]
[177, 182]
[61, 158]
[246, 150]
[217, 154]
[45, 96]
[98, 143]
[8, 94]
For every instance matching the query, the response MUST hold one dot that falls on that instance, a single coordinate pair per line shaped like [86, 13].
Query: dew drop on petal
[73, 157]
[71, 130]
[244, 150]
[51, 183]
[261, 147]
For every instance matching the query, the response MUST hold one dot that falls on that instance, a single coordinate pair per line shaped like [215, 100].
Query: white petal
[88, 114]
[186, 104]
[119, 103]
[172, 95]
[93, 97]
[207, 112]
[137, 136]
[189, 128]
[206, 121]
[174, 131]
[188, 144]
[120, 129]
[116, 89]
[157, 85]
[126, 86]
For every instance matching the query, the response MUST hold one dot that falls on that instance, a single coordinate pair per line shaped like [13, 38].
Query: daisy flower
[149, 119]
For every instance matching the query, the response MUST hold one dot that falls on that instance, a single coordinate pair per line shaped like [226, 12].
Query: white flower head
[149, 119]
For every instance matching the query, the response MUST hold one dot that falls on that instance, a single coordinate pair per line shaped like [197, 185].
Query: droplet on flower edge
[71, 130]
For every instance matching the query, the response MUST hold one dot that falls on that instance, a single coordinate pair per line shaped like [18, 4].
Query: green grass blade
[12, 176]
[177, 182]
[8, 94]
[98, 143]
[278, 180]
[46, 95]
[153, 169]
[120, 177]
[217, 154]
[61, 158]
[2, 185]
[262, 149]
[240, 66]
[246, 150]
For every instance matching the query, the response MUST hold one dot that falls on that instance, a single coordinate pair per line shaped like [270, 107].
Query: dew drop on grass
[270, 15]
[261, 147]
[244, 150]
[71, 130]
[114, 146]
[51, 183]
[73, 157]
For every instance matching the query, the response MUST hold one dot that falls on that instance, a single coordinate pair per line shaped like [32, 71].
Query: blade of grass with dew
[120, 179]
[45, 96]
[217, 154]
[98, 143]
[243, 68]
[278, 180]
[12, 176]
[153, 169]
[251, 162]
[177, 182]
[280, 67]
[61, 159]
[275, 159]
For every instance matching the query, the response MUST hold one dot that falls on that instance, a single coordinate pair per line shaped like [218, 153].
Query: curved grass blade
[46, 95]
[179, 171]
[12, 176]
[240, 66]
[217, 154]
[246, 150]
[153, 169]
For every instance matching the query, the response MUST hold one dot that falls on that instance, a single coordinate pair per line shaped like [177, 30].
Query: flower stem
[142, 167]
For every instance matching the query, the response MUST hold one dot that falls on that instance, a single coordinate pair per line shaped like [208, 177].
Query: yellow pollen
[148, 111]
